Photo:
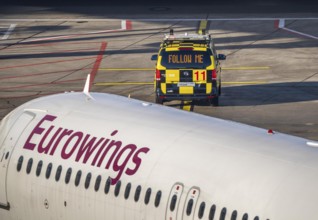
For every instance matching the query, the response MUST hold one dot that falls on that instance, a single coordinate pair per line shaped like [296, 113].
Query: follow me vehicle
[188, 68]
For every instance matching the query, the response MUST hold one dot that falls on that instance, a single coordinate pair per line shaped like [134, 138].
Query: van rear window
[185, 59]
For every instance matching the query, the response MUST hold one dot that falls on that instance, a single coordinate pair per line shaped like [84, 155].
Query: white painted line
[125, 25]
[70, 36]
[9, 31]
[156, 19]
[300, 33]
[281, 25]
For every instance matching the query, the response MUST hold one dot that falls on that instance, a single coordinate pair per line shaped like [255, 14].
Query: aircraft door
[174, 201]
[190, 203]
[7, 147]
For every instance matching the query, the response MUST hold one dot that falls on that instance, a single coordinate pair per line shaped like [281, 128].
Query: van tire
[215, 101]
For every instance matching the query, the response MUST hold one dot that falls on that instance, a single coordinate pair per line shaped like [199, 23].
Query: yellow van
[188, 68]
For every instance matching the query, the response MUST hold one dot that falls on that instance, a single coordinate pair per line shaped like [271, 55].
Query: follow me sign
[185, 58]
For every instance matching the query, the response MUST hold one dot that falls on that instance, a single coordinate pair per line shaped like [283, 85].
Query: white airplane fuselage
[72, 156]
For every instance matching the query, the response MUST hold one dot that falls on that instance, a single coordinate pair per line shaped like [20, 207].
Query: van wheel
[159, 101]
[215, 101]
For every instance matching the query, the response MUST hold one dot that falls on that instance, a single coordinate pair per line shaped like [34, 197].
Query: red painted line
[97, 63]
[42, 84]
[276, 24]
[128, 25]
[27, 45]
[38, 94]
[58, 52]
[70, 80]
[40, 74]
[37, 64]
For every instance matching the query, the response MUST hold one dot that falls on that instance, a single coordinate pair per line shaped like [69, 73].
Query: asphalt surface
[270, 77]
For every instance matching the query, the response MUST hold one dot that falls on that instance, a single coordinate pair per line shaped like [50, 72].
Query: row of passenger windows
[127, 191]
[211, 213]
[88, 181]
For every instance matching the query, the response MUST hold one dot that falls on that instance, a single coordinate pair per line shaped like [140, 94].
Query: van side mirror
[221, 57]
[154, 57]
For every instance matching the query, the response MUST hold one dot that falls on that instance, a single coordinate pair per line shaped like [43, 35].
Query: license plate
[186, 84]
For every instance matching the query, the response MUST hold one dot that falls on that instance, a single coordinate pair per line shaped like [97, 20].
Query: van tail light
[158, 75]
[214, 74]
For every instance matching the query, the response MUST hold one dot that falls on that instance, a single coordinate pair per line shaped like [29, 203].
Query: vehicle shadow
[263, 94]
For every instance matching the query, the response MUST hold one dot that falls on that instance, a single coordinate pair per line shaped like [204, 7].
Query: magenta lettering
[78, 136]
[137, 161]
[100, 151]
[37, 130]
[65, 132]
[120, 167]
[104, 152]
[87, 149]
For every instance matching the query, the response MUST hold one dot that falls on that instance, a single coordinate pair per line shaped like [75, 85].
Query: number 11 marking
[197, 75]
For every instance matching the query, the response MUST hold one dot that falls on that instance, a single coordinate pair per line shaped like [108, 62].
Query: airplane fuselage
[70, 156]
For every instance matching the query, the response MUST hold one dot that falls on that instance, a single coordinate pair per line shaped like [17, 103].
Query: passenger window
[127, 191]
[117, 188]
[48, 171]
[212, 212]
[107, 185]
[78, 178]
[137, 193]
[58, 173]
[97, 183]
[147, 196]
[157, 200]
[173, 202]
[20, 161]
[29, 166]
[189, 207]
[201, 210]
[39, 168]
[245, 216]
[68, 175]
[223, 214]
[88, 180]
[234, 215]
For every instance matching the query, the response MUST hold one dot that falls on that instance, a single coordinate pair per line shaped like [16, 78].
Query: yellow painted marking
[151, 83]
[245, 83]
[127, 69]
[223, 68]
[247, 68]
[186, 105]
[202, 26]
[122, 83]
